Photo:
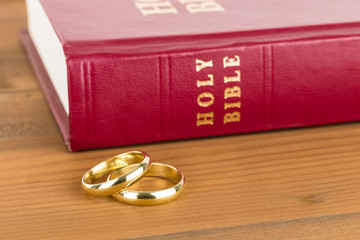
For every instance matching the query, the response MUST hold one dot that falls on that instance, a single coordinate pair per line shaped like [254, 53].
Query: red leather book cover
[145, 71]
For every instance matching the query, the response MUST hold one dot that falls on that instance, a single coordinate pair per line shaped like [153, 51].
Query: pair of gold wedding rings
[120, 178]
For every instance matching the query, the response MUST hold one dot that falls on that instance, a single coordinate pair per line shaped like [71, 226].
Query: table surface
[289, 184]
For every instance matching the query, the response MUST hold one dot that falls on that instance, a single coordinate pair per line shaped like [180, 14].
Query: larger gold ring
[142, 160]
[152, 197]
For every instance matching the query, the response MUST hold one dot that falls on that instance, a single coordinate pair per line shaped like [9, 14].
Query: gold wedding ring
[116, 184]
[152, 197]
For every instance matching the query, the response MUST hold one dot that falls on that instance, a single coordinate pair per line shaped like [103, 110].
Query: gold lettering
[232, 92]
[200, 64]
[232, 105]
[151, 7]
[232, 117]
[205, 119]
[236, 78]
[206, 95]
[210, 82]
[202, 6]
[232, 62]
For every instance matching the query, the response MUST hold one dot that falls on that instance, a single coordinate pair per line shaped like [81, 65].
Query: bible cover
[146, 71]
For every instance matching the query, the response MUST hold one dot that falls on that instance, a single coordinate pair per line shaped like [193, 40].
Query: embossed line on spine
[268, 85]
[86, 70]
[161, 99]
[168, 94]
[272, 101]
[84, 95]
[264, 110]
[164, 94]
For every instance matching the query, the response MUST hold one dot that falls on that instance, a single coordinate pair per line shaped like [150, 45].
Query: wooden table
[290, 184]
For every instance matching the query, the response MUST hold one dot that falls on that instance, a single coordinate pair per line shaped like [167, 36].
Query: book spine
[119, 100]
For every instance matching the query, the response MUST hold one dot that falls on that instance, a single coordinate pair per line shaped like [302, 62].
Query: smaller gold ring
[152, 197]
[141, 159]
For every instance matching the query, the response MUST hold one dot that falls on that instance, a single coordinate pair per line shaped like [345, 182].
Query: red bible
[121, 72]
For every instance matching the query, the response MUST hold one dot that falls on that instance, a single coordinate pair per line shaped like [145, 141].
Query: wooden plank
[6, 1]
[231, 181]
[25, 113]
[12, 9]
[343, 226]
[12, 19]
[16, 74]
[10, 40]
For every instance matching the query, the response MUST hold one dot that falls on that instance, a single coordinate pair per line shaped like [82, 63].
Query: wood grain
[16, 75]
[20, 117]
[343, 226]
[12, 19]
[289, 184]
